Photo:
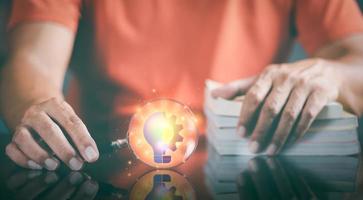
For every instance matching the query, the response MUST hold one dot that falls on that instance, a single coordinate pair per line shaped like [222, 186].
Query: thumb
[232, 89]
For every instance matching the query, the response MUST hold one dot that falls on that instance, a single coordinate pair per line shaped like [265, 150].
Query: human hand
[51, 120]
[269, 178]
[290, 95]
[27, 184]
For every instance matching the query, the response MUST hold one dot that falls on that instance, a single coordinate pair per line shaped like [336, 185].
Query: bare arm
[348, 54]
[39, 55]
[32, 100]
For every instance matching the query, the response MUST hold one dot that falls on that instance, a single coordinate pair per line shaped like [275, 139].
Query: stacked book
[333, 132]
[288, 177]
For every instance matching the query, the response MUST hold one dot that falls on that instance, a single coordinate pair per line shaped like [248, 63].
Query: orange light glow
[170, 138]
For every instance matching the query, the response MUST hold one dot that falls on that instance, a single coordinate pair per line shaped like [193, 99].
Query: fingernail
[90, 188]
[271, 150]
[91, 154]
[33, 174]
[241, 131]
[51, 163]
[253, 165]
[75, 178]
[214, 93]
[34, 165]
[75, 164]
[271, 163]
[254, 146]
[51, 177]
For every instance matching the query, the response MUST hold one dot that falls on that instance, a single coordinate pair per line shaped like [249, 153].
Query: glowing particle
[138, 109]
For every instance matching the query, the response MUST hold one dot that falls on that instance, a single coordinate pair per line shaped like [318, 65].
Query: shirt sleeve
[320, 22]
[65, 12]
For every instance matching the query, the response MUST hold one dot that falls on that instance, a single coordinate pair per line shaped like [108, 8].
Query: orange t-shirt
[170, 47]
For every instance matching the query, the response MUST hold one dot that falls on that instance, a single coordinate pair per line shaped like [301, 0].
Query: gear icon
[176, 136]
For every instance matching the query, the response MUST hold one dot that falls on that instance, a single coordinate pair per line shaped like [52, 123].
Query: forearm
[23, 83]
[38, 58]
[351, 86]
[347, 61]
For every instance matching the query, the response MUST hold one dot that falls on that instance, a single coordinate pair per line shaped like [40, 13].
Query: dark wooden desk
[120, 176]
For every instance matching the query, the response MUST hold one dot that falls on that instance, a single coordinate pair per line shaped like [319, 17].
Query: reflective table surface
[206, 175]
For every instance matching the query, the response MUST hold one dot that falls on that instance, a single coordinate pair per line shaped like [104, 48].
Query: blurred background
[4, 13]
[5, 8]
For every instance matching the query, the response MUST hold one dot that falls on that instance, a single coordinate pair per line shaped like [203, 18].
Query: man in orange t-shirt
[168, 48]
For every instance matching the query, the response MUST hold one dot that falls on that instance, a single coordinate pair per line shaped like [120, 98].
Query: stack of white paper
[334, 132]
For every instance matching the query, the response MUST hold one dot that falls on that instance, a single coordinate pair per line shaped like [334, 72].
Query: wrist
[346, 83]
[337, 76]
[14, 108]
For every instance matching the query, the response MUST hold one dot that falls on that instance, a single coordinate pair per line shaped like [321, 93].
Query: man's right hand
[51, 120]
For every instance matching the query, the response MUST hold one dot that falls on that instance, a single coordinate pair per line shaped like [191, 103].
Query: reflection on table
[162, 184]
[156, 184]
[31, 184]
[300, 177]
[121, 176]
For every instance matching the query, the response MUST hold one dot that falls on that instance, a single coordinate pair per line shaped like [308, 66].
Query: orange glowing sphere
[163, 133]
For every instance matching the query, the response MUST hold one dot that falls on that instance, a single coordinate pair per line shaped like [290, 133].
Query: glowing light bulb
[158, 133]
[163, 133]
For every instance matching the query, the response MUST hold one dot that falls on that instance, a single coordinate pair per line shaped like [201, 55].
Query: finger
[288, 118]
[88, 190]
[55, 139]
[15, 181]
[252, 102]
[271, 108]
[51, 178]
[60, 111]
[233, 88]
[33, 188]
[26, 143]
[245, 186]
[66, 188]
[302, 188]
[281, 179]
[262, 179]
[17, 156]
[314, 104]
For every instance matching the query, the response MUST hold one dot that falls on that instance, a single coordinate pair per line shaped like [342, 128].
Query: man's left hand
[292, 94]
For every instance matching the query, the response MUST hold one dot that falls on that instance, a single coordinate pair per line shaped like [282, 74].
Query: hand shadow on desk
[290, 178]
[26, 184]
